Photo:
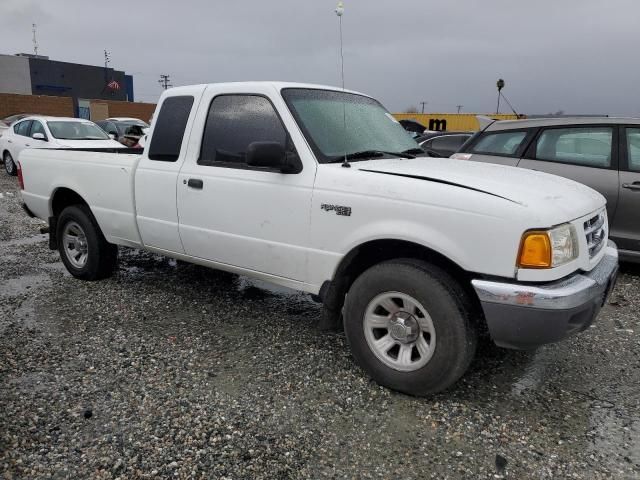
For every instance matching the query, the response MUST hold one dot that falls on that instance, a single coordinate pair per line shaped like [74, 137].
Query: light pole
[423, 104]
[339, 13]
[500, 85]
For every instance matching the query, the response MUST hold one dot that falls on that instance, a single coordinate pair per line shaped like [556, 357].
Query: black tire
[102, 256]
[10, 165]
[451, 314]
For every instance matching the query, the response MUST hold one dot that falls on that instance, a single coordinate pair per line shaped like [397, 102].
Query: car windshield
[77, 131]
[339, 123]
[14, 118]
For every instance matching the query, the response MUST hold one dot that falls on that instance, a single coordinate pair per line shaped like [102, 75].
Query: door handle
[9, 141]
[27, 144]
[195, 183]
[632, 186]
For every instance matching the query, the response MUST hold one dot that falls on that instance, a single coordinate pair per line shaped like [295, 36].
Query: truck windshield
[340, 123]
[77, 131]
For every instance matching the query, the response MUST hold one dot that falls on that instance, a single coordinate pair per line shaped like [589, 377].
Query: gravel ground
[170, 370]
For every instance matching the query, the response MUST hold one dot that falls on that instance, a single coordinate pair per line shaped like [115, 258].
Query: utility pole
[459, 107]
[423, 104]
[35, 40]
[164, 81]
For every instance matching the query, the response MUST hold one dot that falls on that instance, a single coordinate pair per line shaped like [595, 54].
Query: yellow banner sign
[463, 122]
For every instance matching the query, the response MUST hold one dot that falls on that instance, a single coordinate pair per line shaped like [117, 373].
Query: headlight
[548, 248]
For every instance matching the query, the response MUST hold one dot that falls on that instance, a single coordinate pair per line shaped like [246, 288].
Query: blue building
[38, 75]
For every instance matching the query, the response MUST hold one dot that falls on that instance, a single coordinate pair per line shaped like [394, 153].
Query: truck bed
[102, 177]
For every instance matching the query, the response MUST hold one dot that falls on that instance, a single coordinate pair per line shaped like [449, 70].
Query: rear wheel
[409, 326]
[82, 246]
[9, 165]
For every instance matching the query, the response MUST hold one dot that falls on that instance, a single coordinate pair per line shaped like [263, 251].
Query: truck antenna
[339, 12]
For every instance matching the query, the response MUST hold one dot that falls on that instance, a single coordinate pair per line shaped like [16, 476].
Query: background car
[125, 132]
[443, 144]
[601, 152]
[50, 132]
[135, 121]
[7, 121]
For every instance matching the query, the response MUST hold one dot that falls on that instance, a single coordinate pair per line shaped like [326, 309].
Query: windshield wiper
[370, 154]
[413, 151]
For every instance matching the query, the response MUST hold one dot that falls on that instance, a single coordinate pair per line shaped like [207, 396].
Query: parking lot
[173, 370]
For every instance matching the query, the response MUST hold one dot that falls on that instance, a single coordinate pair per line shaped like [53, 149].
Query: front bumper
[526, 315]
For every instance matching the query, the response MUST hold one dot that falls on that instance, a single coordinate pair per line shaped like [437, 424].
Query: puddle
[533, 376]
[18, 286]
[24, 241]
[613, 433]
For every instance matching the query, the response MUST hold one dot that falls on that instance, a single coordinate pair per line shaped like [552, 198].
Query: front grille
[595, 231]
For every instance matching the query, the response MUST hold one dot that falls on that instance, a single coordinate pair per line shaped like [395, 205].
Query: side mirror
[112, 136]
[38, 136]
[267, 154]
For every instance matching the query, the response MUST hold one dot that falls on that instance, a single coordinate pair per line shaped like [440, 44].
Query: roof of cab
[248, 86]
[552, 122]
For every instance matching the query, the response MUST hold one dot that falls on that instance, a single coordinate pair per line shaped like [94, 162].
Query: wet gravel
[169, 370]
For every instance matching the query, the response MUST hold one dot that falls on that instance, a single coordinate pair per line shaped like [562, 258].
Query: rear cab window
[169, 129]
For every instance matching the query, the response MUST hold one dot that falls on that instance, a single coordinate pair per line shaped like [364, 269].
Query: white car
[412, 256]
[50, 132]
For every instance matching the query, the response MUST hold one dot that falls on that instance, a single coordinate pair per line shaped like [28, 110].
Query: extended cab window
[169, 128]
[588, 146]
[503, 143]
[233, 123]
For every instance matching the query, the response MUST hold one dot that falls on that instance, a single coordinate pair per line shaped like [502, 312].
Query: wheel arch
[370, 253]
[64, 197]
[61, 198]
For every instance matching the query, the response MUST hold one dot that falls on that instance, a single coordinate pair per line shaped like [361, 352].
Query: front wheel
[410, 326]
[10, 165]
[83, 249]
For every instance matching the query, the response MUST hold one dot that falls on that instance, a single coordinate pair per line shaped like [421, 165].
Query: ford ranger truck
[321, 190]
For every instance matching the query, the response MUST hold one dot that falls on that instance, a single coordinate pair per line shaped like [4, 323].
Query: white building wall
[15, 76]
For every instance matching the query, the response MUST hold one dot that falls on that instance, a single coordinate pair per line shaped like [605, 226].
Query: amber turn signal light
[535, 250]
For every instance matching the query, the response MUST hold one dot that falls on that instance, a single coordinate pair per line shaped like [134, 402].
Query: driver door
[255, 218]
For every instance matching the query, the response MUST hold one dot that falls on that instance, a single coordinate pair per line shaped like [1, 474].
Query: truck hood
[528, 188]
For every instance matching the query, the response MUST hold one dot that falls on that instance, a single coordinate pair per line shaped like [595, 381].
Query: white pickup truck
[320, 189]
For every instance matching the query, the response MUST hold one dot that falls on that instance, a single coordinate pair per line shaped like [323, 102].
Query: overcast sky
[580, 56]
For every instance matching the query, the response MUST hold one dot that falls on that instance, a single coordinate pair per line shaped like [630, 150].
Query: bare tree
[411, 109]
